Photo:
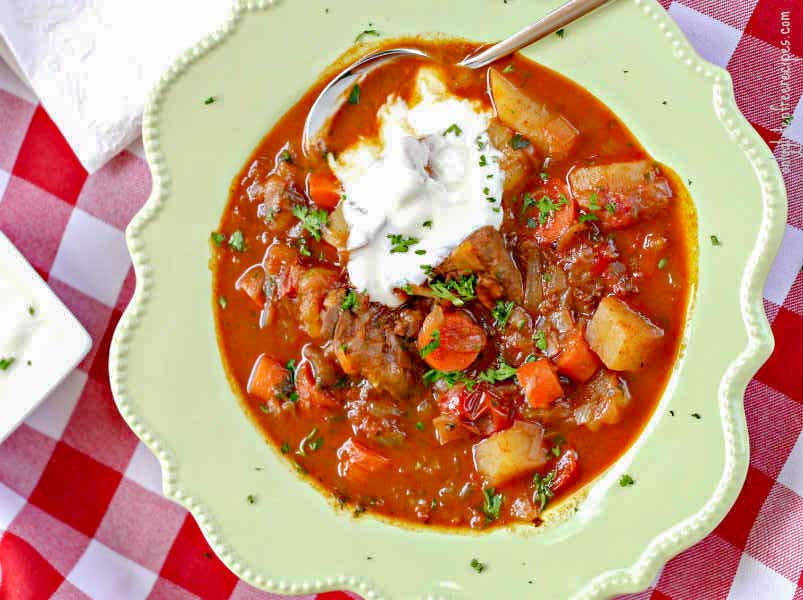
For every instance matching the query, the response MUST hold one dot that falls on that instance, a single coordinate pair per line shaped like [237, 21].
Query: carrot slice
[450, 341]
[577, 360]
[266, 375]
[557, 223]
[540, 383]
[323, 189]
[358, 462]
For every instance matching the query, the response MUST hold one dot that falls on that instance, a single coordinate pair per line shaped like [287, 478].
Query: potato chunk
[510, 453]
[620, 336]
[624, 192]
[549, 131]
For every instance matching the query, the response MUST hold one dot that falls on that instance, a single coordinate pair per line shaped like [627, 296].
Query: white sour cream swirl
[432, 175]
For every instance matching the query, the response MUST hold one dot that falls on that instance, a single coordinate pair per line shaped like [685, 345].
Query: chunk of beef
[367, 342]
[484, 253]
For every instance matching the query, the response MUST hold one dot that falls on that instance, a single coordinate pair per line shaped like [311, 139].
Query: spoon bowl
[334, 94]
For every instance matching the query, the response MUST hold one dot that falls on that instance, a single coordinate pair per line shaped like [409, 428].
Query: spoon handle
[560, 17]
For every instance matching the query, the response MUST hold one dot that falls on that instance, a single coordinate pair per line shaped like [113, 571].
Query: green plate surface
[169, 382]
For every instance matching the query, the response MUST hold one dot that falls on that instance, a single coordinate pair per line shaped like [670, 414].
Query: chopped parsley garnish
[251, 499]
[311, 220]
[427, 269]
[433, 344]
[491, 503]
[509, 69]
[483, 160]
[526, 202]
[501, 312]
[349, 301]
[456, 291]
[715, 241]
[237, 241]
[787, 120]
[560, 33]
[491, 375]
[427, 224]
[588, 217]
[519, 142]
[662, 263]
[544, 175]
[453, 128]
[222, 302]
[354, 94]
[421, 252]
[540, 340]
[626, 480]
[290, 366]
[31, 310]
[420, 426]
[285, 448]
[217, 238]
[209, 100]
[312, 441]
[547, 207]
[611, 207]
[449, 377]
[285, 156]
[532, 223]
[400, 243]
[303, 249]
[5, 363]
[556, 444]
[478, 566]
[593, 204]
[365, 33]
[694, 414]
[543, 489]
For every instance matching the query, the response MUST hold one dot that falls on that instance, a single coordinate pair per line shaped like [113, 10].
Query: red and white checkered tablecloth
[81, 513]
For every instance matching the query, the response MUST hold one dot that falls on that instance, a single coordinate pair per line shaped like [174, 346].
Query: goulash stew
[465, 302]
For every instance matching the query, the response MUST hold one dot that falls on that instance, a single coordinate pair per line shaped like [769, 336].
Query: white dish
[42, 336]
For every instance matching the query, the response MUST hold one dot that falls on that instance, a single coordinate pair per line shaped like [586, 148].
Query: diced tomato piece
[459, 340]
[252, 282]
[324, 189]
[566, 469]
[358, 462]
[540, 383]
[309, 394]
[266, 375]
[288, 286]
[448, 429]
[577, 360]
[479, 410]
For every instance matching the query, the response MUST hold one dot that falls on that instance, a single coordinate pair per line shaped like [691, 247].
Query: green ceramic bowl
[169, 382]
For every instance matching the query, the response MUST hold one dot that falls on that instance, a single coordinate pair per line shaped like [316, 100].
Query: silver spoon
[333, 95]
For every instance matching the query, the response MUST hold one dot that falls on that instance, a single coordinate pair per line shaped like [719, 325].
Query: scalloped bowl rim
[760, 342]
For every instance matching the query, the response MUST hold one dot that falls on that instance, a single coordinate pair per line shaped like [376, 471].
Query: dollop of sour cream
[430, 179]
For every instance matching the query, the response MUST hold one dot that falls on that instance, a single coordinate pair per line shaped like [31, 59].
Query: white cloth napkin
[93, 62]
